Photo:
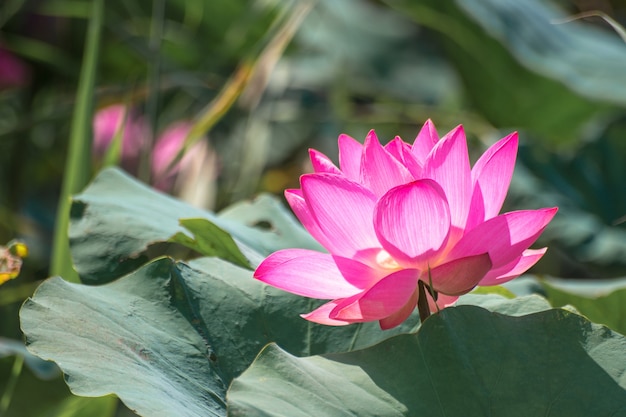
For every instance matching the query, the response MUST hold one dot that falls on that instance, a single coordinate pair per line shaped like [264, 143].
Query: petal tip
[371, 137]
[550, 213]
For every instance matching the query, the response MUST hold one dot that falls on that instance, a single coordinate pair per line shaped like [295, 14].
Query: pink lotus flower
[396, 215]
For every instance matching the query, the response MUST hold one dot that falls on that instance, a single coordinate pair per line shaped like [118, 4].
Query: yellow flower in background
[11, 260]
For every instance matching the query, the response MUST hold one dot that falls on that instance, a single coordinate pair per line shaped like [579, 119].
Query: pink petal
[300, 208]
[491, 177]
[425, 141]
[401, 315]
[476, 213]
[380, 171]
[321, 315]
[321, 163]
[343, 211]
[314, 274]
[442, 302]
[448, 164]
[514, 268]
[412, 222]
[504, 237]
[395, 148]
[459, 276]
[278, 258]
[350, 152]
[385, 298]
[402, 152]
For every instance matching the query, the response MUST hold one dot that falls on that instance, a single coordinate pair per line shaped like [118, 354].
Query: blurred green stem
[5, 401]
[154, 79]
[263, 58]
[77, 167]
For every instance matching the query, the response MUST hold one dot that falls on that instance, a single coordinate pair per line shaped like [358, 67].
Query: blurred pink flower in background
[192, 178]
[114, 119]
[391, 216]
[169, 143]
[13, 71]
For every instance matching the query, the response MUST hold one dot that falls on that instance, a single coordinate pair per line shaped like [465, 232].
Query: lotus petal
[401, 315]
[385, 298]
[504, 237]
[426, 139]
[412, 222]
[321, 314]
[402, 152]
[316, 275]
[343, 211]
[491, 177]
[300, 208]
[459, 276]
[350, 151]
[514, 268]
[321, 163]
[448, 165]
[380, 171]
[442, 302]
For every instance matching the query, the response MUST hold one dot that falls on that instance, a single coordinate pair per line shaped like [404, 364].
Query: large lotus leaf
[126, 338]
[601, 301]
[523, 70]
[465, 361]
[116, 220]
[168, 338]
[504, 305]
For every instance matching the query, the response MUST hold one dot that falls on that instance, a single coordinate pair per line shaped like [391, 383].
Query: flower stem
[154, 76]
[432, 292]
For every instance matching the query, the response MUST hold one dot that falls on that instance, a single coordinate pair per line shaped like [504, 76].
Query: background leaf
[74, 406]
[117, 220]
[41, 369]
[40, 390]
[210, 240]
[587, 235]
[463, 361]
[521, 69]
[601, 301]
[267, 225]
[114, 221]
